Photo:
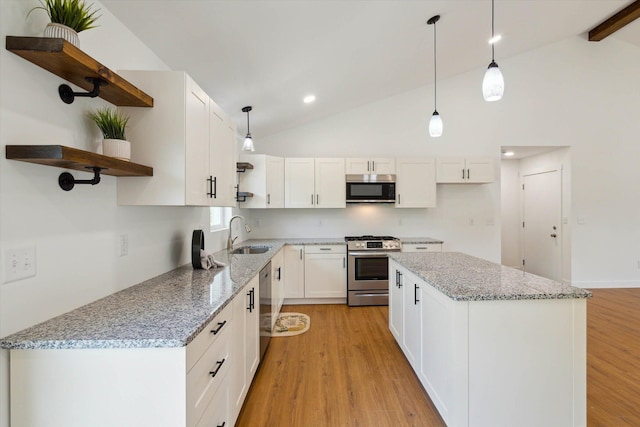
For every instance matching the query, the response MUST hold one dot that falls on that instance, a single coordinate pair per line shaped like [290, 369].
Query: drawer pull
[325, 249]
[222, 425]
[421, 247]
[220, 325]
[219, 363]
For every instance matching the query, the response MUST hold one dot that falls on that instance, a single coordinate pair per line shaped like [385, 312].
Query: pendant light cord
[435, 70]
[492, 32]
[248, 129]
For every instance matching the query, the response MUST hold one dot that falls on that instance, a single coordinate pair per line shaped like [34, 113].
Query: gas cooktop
[369, 237]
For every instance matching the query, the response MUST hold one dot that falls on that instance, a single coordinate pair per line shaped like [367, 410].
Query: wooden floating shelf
[63, 59]
[73, 158]
[243, 166]
[241, 196]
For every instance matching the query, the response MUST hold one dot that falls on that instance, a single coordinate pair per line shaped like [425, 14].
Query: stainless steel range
[368, 269]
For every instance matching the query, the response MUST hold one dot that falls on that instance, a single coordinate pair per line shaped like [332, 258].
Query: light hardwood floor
[347, 370]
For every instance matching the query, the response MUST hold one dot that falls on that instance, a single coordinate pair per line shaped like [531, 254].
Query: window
[219, 218]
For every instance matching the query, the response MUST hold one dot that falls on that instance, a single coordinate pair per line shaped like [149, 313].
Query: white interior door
[542, 224]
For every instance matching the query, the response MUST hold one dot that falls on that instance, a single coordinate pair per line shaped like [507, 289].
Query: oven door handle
[368, 254]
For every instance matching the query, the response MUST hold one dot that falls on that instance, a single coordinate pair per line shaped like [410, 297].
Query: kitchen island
[492, 345]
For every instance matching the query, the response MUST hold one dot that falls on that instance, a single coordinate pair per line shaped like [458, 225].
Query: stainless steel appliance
[371, 188]
[264, 284]
[368, 269]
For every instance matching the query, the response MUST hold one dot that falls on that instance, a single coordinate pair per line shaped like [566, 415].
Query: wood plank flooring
[347, 370]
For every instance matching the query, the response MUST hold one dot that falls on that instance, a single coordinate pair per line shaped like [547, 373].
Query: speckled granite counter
[421, 240]
[465, 278]
[166, 311]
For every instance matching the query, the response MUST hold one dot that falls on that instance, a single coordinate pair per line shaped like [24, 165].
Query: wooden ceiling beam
[617, 21]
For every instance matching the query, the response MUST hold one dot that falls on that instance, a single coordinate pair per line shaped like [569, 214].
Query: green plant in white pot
[68, 18]
[112, 124]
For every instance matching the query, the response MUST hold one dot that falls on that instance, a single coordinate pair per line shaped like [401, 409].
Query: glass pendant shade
[493, 83]
[435, 125]
[248, 144]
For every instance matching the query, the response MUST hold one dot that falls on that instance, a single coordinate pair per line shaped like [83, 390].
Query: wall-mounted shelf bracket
[242, 167]
[68, 95]
[67, 181]
[241, 196]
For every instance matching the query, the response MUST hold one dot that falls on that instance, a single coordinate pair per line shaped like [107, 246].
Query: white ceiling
[270, 54]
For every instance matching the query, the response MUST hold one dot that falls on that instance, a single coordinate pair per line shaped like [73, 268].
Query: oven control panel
[385, 245]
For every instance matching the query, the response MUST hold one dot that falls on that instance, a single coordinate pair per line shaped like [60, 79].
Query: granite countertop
[465, 278]
[425, 240]
[166, 311]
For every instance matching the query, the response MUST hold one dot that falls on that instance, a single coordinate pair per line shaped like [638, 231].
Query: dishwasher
[265, 308]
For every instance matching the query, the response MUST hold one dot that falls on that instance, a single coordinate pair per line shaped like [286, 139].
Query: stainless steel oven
[368, 269]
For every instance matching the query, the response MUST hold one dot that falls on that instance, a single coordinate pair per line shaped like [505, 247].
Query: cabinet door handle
[219, 364]
[300, 253]
[373, 165]
[325, 249]
[222, 425]
[468, 173]
[279, 273]
[399, 199]
[397, 279]
[215, 187]
[415, 294]
[368, 166]
[421, 247]
[317, 200]
[400, 279]
[344, 262]
[251, 300]
[312, 200]
[210, 182]
[220, 326]
[268, 199]
[462, 173]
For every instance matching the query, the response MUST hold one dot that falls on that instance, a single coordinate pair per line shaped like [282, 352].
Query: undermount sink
[248, 250]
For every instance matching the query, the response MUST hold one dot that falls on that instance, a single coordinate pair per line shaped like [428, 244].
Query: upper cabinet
[265, 181]
[188, 140]
[314, 183]
[464, 170]
[415, 183]
[377, 166]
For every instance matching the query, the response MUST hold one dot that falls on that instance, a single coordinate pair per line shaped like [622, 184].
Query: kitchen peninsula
[492, 345]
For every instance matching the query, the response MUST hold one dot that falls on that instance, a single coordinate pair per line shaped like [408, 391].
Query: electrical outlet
[20, 263]
[124, 244]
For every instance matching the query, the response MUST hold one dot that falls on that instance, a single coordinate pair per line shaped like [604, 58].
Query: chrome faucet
[230, 240]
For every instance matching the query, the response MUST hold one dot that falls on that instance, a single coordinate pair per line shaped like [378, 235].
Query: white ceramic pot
[118, 148]
[59, 31]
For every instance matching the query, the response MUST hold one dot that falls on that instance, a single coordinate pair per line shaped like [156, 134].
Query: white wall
[572, 93]
[510, 213]
[75, 233]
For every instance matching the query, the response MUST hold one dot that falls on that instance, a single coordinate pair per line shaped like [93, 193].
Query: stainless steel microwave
[371, 188]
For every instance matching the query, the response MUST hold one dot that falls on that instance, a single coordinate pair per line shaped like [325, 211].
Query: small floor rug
[291, 324]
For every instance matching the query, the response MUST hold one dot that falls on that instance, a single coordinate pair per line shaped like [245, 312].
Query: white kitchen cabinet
[176, 139]
[396, 301]
[412, 329]
[246, 344]
[314, 183]
[265, 181]
[473, 170]
[106, 387]
[294, 271]
[223, 157]
[415, 183]
[370, 166]
[277, 285]
[422, 247]
[325, 271]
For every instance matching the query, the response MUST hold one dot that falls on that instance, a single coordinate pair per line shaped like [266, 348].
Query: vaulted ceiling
[270, 54]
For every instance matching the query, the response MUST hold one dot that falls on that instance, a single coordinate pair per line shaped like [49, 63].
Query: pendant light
[435, 124]
[248, 141]
[493, 82]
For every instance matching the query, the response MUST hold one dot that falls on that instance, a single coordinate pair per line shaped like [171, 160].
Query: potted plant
[112, 124]
[68, 18]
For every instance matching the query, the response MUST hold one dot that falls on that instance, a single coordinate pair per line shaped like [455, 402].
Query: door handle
[415, 294]
[219, 364]
[373, 165]
[300, 253]
[317, 199]
[279, 273]
[312, 200]
[368, 166]
[400, 277]
[344, 262]
[268, 199]
[220, 326]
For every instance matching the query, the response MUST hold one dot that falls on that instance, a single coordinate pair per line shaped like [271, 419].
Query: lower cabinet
[294, 271]
[201, 385]
[325, 271]
[422, 247]
[246, 344]
[412, 329]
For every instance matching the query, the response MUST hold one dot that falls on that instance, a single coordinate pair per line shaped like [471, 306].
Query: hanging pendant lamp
[493, 82]
[248, 141]
[435, 124]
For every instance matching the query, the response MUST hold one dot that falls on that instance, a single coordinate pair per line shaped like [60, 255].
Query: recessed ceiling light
[309, 99]
[508, 153]
[495, 39]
